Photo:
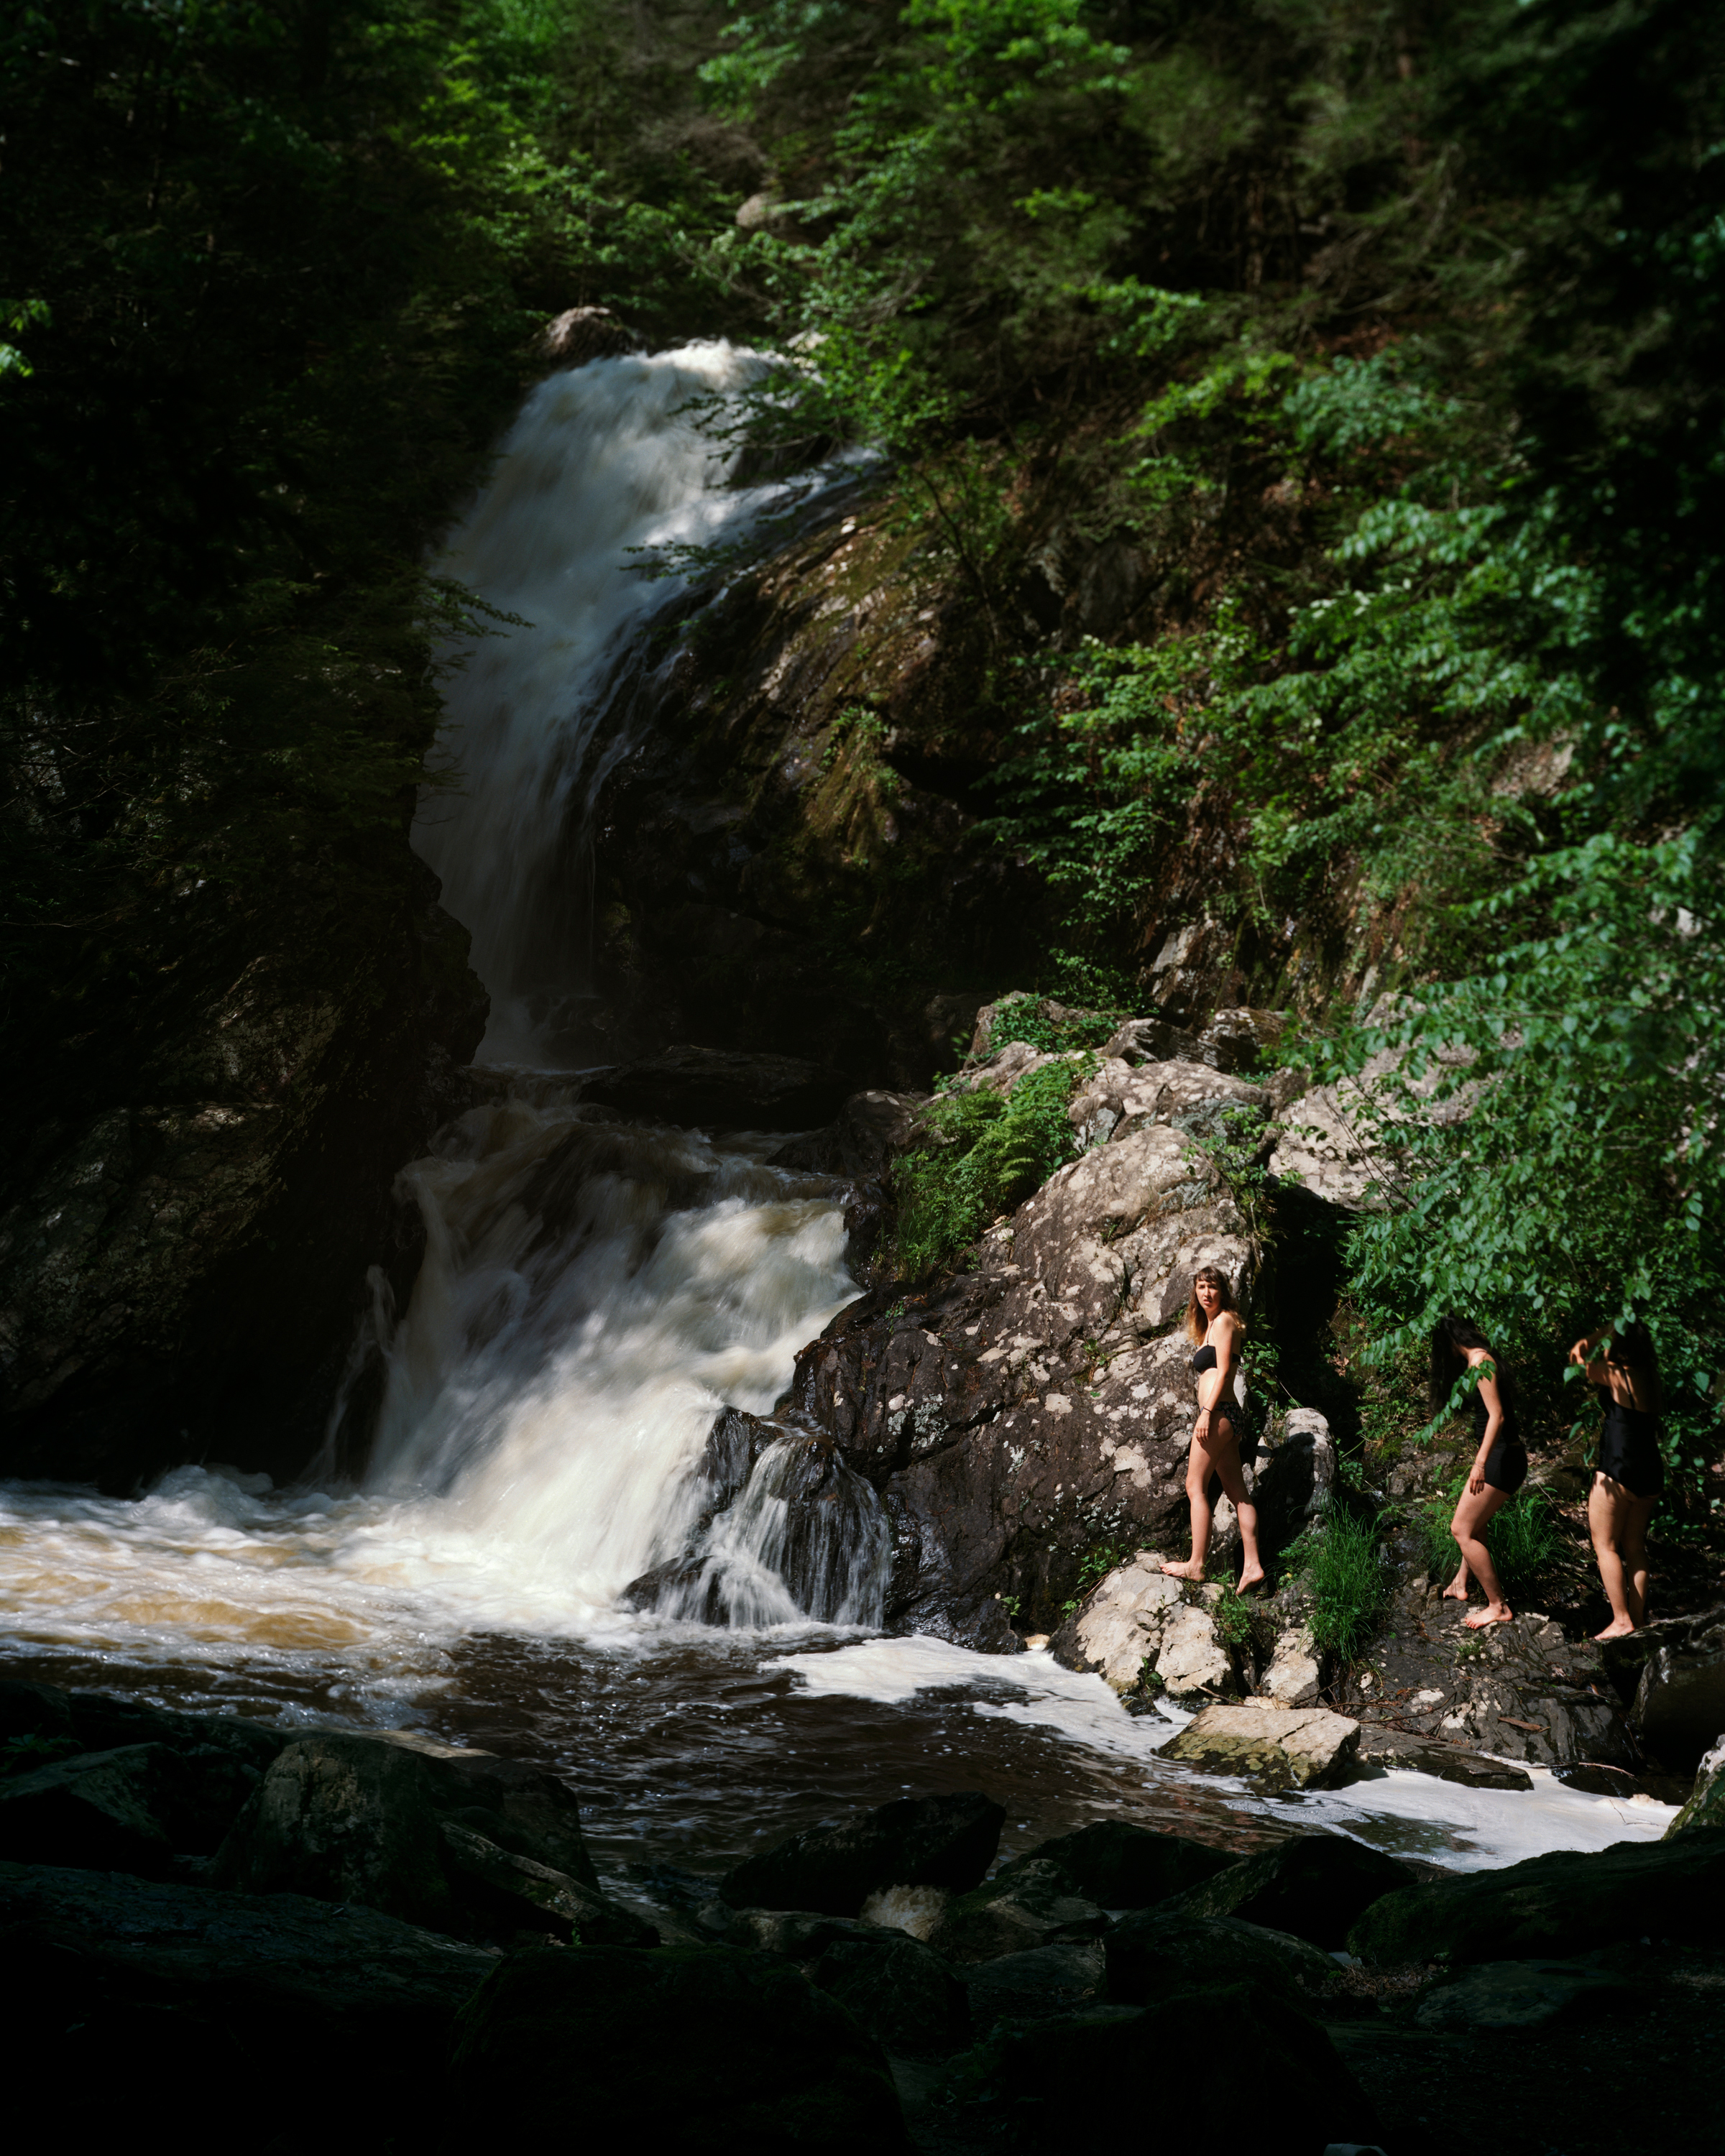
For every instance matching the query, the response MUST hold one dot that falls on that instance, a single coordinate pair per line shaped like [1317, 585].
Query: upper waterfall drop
[608, 457]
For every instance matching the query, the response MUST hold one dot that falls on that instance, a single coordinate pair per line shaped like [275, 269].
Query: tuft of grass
[1342, 1563]
[980, 1155]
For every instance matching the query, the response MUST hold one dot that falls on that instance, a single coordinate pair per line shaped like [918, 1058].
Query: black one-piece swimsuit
[1629, 1449]
[1506, 1462]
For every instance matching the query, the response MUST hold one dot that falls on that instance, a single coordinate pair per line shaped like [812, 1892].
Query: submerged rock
[1279, 1748]
[628, 2048]
[1563, 1903]
[1448, 1763]
[1118, 1865]
[917, 1841]
[1314, 1887]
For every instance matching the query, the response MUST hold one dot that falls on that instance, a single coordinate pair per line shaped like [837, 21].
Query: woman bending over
[1500, 1464]
[1212, 1322]
[1629, 1474]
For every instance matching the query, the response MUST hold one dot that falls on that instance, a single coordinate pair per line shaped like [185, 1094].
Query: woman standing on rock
[1629, 1474]
[1212, 1322]
[1500, 1466]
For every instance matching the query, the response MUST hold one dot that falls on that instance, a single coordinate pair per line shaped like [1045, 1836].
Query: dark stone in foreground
[1563, 1903]
[128, 1810]
[1121, 1866]
[1526, 1994]
[720, 1088]
[1062, 1978]
[900, 1991]
[112, 1977]
[735, 2052]
[918, 1841]
[1040, 2089]
[1314, 1887]
[1152, 1954]
[1031, 1905]
[1679, 1700]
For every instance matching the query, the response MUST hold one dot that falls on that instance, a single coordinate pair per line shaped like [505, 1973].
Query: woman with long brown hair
[1500, 1464]
[1213, 1325]
[1629, 1473]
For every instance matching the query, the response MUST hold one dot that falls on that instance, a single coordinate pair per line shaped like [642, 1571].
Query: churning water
[592, 1293]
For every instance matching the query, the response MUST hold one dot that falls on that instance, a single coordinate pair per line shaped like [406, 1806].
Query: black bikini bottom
[1248, 1443]
[1507, 1466]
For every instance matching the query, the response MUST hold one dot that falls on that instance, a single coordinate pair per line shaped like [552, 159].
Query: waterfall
[593, 1292]
[601, 459]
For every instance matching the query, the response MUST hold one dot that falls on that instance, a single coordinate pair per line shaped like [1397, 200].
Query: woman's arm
[1593, 1365]
[1494, 1424]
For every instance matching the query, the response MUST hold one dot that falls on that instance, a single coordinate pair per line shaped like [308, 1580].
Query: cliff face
[183, 1257]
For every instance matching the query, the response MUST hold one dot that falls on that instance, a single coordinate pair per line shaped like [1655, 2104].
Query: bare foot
[1249, 1580]
[1192, 1569]
[1494, 1613]
[1452, 1592]
[1616, 1631]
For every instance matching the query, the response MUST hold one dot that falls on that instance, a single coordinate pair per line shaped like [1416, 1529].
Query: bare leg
[1468, 1527]
[1619, 1544]
[1456, 1591]
[1234, 1483]
[1198, 1468]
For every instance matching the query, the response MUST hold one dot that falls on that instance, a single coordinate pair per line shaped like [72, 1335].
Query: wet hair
[1631, 1348]
[1196, 1324]
[1451, 1336]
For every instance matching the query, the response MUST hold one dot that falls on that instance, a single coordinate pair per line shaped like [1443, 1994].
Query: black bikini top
[1204, 1359]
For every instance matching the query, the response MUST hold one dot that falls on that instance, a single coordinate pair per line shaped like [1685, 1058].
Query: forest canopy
[1389, 333]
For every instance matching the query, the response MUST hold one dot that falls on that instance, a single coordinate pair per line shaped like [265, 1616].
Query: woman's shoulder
[1226, 1321]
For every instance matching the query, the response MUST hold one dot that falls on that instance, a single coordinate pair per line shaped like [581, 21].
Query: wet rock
[638, 2045]
[580, 334]
[1526, 1994]
[1279, 1748]
[1154, 1952]
[1026, 2086]
[109, 1975]
[1560, 1904]
[1030, 1905]
[350, 1818]
[507, 1893]
[900, 1991]
[1118, 1865]
[862, 1142]
[1706, 1806]
[1295, 1675]
[1314, 1887]
[1040, 1982]
[1118, 1627]
[917, 1841]
[1030, 1410]
[721, 1089]
[1679, 1700]
[1449, 1763]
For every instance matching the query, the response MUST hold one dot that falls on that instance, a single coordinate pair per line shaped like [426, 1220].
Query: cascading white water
[609, 457]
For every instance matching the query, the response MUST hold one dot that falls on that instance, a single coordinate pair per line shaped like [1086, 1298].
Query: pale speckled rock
[1294, 1675]
[1279, 1748]
[1120, 1625]
[1191, 1657]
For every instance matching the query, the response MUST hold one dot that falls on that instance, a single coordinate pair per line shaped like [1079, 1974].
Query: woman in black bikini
[1500, 1465]
[1212, 1322]
[1630, 1472]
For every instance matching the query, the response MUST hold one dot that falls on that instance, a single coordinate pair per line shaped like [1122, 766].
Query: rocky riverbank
[424, 1920]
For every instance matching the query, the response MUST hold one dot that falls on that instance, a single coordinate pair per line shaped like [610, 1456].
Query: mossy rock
[645, 2047]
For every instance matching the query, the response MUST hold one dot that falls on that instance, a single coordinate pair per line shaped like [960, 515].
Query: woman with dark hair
[1629, 1474]
[1213, 1324]
[1500, 1465]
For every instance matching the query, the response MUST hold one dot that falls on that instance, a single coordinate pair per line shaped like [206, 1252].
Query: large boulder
[898, 1991]
[1155, 1951]
[1279, 1748]
[1563, 1903]
[1118, 1865]
[421, 1831]
[1314, 1887]
[1679, 1700]
[110, 1975]
[1055, 1978]
[1026, 2087]
[1039, 1404]
[616, 2046]
[1031, 1905]
[947, 1841]
[133, 1810]
[1117, 1630]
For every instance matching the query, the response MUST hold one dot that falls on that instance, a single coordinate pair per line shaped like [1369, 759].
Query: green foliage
[1048, 1027]
[1234, 1618]
[977, 1156]
[23, 1755]
[1343, 1564]
[1096, 1564]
